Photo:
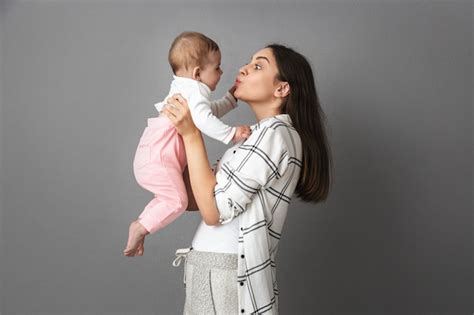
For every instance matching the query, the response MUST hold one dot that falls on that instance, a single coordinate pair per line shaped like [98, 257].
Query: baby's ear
[196, 73]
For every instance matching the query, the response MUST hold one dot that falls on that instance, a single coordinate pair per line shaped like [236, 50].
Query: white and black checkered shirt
[257, 183]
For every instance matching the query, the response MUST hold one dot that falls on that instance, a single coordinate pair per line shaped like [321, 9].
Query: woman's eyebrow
[261, 57]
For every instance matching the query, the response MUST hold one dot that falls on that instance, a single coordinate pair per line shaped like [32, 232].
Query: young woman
[230, 267]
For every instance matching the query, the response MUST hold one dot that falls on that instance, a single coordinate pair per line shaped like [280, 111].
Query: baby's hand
[241, 133]
[232, 90]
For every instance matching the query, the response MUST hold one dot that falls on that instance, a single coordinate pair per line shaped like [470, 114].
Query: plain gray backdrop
[79, 79]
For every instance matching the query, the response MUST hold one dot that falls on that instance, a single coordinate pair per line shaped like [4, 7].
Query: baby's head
[196, 56]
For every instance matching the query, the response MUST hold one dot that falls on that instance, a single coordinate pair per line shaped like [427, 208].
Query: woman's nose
[243, 70]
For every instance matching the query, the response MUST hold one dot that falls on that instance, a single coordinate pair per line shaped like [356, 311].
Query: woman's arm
[192, 205]
[201, 177]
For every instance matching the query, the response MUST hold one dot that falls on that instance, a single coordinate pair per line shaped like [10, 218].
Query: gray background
[80, 78]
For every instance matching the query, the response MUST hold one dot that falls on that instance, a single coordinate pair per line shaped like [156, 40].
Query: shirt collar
[205, 90]
[283, 117]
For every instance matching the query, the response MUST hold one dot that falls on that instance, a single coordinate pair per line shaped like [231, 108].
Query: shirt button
[242, 310]
[242, 256]
[241, 283]
[241, 228]
[234, 151]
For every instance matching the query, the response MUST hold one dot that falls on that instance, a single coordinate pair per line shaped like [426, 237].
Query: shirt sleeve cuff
[159, 106]
[230, 202]
[228, 211]
[230, 136]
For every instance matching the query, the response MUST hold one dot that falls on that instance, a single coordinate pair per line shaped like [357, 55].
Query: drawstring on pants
[182, 253]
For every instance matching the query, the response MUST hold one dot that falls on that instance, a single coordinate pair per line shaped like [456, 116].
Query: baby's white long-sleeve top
[205, 113]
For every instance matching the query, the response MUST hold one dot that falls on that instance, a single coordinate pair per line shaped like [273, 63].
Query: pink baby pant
[158, 167]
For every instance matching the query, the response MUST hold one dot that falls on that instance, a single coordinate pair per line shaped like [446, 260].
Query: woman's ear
[197, 73]
[283, 90]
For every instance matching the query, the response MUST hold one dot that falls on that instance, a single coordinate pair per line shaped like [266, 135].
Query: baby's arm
[224, 105]
[207, 122]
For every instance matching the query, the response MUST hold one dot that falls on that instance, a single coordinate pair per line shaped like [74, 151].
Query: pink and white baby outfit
[160, 158]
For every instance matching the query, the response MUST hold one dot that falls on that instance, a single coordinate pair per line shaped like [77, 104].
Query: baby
[160, 158]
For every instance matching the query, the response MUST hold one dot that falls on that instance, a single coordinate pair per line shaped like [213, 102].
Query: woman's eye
[257, 66]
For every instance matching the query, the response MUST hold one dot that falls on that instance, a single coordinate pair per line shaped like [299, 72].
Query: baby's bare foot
[140, 248]
[136, 238]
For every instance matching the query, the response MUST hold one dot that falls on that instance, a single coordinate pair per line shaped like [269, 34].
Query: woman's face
[256, 81]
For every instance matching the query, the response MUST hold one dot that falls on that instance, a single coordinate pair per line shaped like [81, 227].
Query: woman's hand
[177, 111]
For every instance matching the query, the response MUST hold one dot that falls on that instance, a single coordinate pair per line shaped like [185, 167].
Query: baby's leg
[158, 167]
[169, 203]
[170, 200]
[165, 180]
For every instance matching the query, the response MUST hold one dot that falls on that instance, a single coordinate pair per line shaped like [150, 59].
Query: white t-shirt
[222, 238]
[205, 113]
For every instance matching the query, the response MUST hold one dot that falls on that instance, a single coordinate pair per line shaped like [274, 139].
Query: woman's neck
[263, 111]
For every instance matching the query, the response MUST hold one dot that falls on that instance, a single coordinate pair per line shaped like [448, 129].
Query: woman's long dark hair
[308, 119]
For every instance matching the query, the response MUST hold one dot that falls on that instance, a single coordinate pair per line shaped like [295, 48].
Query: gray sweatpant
[210, 281]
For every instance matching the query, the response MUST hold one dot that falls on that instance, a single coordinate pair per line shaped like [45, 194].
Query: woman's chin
[238, 96]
